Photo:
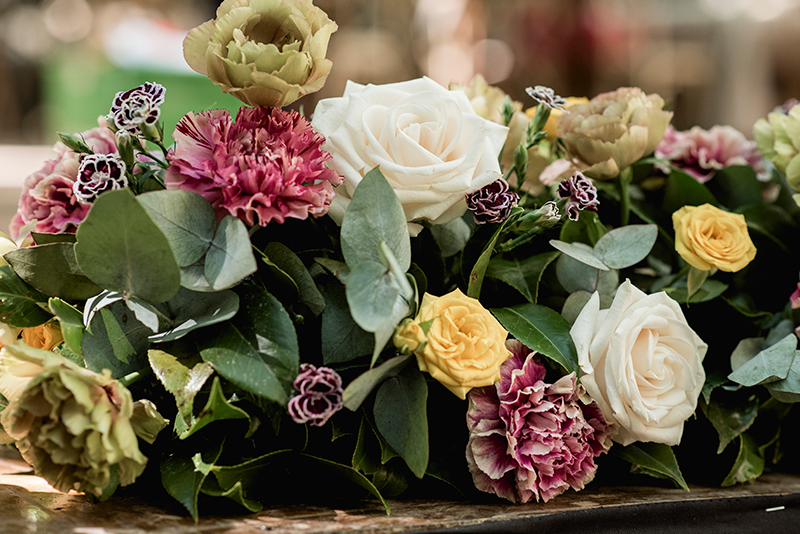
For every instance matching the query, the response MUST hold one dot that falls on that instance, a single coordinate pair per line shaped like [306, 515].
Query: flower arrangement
[394, 294]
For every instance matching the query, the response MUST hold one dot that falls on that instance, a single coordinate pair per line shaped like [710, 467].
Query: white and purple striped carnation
[530, 439]
[97, 174]
[493, 203]
[319, 395]
[137, 106]
[580, 193]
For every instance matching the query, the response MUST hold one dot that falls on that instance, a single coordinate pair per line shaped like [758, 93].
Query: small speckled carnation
[548, 97]
[493, 203]
[97, 174]
[530, 439]
[701, 153]
[47, 194]
[137, 106]
[268, 165]
[580, 193]
[319, 397]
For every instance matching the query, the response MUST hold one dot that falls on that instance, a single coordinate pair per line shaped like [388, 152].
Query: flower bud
[74, 143]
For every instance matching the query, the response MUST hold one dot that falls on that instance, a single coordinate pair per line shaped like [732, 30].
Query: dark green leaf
[541, 329]
[710, 290]
[183, 473]
[218, 408]
[587, 229]
[115, 340]
[71, 321]
[189, 310]
[736, 186]
[684, 190]
[331, 470]
[44, 239]
[257, 350]
[342, 339]
[183, 378]
[366, 456]
[20, 304]
[401, 417]
[288, 262]
[749, 463]
[714, 379]
[730, 418]
[360, 388]
[249, 473]
[337, 268]
[523, 275]
[120, 248]
[235, 493]
[53, 270]
[230, 258]
[479, 269]
[653, 459]
[392, 478]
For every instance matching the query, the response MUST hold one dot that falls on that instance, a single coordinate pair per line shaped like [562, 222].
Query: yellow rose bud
[45, 336]
[464, 346]
[708, 237]
[263, 52]
[551, 126]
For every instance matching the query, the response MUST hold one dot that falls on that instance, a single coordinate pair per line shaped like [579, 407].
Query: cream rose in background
[429, 143]
[641, 362]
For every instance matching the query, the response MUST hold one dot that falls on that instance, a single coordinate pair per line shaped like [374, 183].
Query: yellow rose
[464, 346]
[45, 336]
[263, 52]
[708, 237]
[551, 126]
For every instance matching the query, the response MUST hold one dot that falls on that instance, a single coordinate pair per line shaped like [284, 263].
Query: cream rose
[464, 345]
[642, 364]
[428, 142]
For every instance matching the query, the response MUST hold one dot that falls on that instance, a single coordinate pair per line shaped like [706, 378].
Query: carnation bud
[520, 161]
[125, 147]
[74, 143]
[540, 119]
[151, 132]
[507, 111]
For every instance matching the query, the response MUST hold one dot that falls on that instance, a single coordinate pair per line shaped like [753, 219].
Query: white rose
[642, 364]
[429, 143]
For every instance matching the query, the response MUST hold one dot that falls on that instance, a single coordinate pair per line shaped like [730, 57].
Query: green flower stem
[625, 179]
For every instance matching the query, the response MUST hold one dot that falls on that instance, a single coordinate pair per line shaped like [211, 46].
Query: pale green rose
[6, 245]
[263, 52]
[72, 425]
[613, 130]
[778, 139]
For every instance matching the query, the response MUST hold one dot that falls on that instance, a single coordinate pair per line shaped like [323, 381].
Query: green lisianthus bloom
[263, 52]
[778, 139]
[71, 424]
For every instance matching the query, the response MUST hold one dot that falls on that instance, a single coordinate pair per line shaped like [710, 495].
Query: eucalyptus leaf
[190, 310]
[788, 389]
[730, 418]
[360, 388]
[452, 236]
[257, 350]
[710, 290]
[587, 229]
[581, 252]
[749, 463]
[524, 275]
[20, 304]
[53, 270]
[283, 257]
[653, 459]
[187, 220]
[120, 248]
[769, 365]
[230, 258]
[745, 351]
[574, 275]
[115, 340]
[337, 268]
[574, 305]
[695, 280]
[194, 277]
[371, 293]
[386, 330]
[374, 215]
[626, 246]
[71, 321]
[541, 329]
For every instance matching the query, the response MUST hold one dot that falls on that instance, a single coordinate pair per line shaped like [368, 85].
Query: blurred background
[713, 61]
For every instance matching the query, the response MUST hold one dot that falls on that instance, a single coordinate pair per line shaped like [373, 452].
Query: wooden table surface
[29, 504]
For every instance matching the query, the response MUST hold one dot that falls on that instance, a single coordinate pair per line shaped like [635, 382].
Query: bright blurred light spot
[25, 33]
[724, 9]
[764, 10]
[495, 60]
[450, 62]
[68, 20]
[143, 43]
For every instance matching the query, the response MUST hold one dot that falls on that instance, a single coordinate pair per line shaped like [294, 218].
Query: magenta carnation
[529, 438]
[319, 395]
[701, 153]
[47, 194]
[266, 166]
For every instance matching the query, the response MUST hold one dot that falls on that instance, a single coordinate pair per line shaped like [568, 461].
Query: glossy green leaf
[392, 478]
[45, 239]
[53, 270]
[187, 220]
[476, 275]
[20, 304]
[769, 365]
[329, 470]
[183, 473]
[230, 258]
[730, 418]
[342, 339]
[695, 280]
[737, 186]
[71, 321]
[249, 473]
[257, 350]
[401, 417]
[653, 459]
[626, 246]
[360, 388]
[371, 293]
[366, 456]
[283, 257]
[374, 215]
[542, 329]
[524, 275]
[115, 340]
[120, 248]
[684, 190]
[190, 310]
[183, 378]
[587, 229]
[581, 252]
[710, 290]
[217, 408]
[235, 493]
[749, 463]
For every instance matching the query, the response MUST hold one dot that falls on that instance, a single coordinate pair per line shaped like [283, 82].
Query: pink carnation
[266, 166]
[47, 194]
[701, 153]
[529, 438]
